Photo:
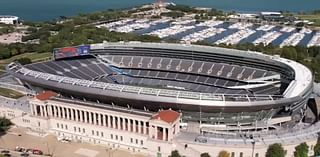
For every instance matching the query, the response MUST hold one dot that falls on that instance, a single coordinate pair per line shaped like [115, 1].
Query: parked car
[64, 139]
[29, 151]
[37, 152]
[20, 149]
[24, 154]
[5, 152]
[6, 155]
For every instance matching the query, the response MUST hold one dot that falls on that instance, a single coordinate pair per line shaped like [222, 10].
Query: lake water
[37, 10]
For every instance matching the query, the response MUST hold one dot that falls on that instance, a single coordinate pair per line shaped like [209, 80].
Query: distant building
[203, 9]
[244, 17]
[271, 16]
[8, 19]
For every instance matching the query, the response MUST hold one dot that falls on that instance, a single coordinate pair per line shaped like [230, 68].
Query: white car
[64, 139]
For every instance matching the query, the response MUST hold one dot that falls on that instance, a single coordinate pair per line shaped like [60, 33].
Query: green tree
[224, 153]
[175, 153]
[289, 52]
[301, 150]
[205, 155]
[316, 149]
[275, 150]
[4, 52]
[4, 125]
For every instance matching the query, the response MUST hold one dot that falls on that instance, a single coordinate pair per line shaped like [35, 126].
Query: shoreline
[50, 15]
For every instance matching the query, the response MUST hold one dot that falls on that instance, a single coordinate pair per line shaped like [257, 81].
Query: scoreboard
[67, 52]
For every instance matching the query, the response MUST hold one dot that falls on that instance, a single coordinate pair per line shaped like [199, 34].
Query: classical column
[35, 109]
[49, 108]
[170, 135]
[164, 135]
[94, 118]
[123, 124]
[119, 123]
[59, 112]
[129, 125]
[79, 116]
[177, 130]
[134, 126]
[109, 121]
[41, 111]
[139, 127]
[144, 127]
[99, 119]
[85, 116]
[156, 132]
[104, 120]
[45, 111]
[54, 111]
[68, 113]
[90, 118]
[72, 114]
[63, 113]
[113, 122]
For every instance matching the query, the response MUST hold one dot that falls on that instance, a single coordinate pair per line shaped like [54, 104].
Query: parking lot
[50, 145]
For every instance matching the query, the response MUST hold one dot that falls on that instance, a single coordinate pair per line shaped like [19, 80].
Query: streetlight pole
[253, 142]
[110, 153]
[48, 148]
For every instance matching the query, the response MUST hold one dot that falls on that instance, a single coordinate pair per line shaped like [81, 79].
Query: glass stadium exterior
[211, 86]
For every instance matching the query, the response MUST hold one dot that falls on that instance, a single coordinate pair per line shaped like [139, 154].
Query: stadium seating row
[95, 69]
[188, 66]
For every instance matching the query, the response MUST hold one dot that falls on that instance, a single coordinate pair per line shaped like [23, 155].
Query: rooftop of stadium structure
[131, 68]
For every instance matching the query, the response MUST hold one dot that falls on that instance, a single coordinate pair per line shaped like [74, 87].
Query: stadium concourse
[153, 98]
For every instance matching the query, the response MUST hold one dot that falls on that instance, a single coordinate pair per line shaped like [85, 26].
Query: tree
[275, 150]
[289, 52]
[4, 125]
[301, 150]
[4, 52]
[224, 153]
[205, 155]
[316, 149]
[175, 153]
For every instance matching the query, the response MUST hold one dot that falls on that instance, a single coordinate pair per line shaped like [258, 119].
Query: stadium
[215, 88]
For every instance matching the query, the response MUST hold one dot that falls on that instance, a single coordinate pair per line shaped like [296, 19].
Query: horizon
[52, 9]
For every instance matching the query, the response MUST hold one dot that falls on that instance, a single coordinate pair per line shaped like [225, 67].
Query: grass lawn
[35, 57]
[10, 93]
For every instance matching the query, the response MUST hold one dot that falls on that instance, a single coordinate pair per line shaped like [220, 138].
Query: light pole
[48, 149]
[109, 150]
[253, 142]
